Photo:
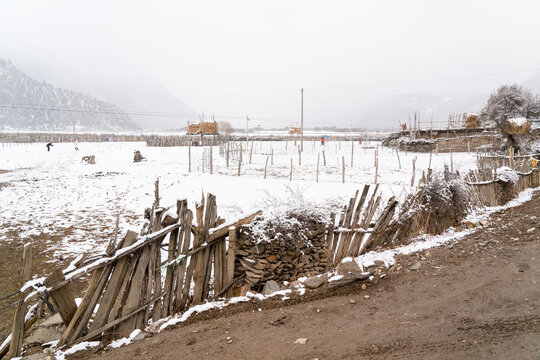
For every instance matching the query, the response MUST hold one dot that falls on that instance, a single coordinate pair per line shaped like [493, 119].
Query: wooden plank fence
[354, 233]
[127, 284]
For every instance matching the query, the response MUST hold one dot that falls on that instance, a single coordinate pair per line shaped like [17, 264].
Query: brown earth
[475, 299]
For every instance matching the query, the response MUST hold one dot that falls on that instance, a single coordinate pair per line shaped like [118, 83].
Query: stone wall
[286, 257]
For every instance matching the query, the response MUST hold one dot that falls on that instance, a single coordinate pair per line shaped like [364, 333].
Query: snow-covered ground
[56, 194]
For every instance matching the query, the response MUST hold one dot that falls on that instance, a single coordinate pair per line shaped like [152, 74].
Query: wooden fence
[354, 233]
[489, 190]
[127, 284]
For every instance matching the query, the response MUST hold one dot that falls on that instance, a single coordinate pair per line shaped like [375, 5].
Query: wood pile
[288, 256]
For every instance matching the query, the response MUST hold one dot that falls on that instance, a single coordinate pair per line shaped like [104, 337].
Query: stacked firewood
[290, 254]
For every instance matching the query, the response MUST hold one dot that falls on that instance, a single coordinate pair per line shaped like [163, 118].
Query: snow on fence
[126, 284]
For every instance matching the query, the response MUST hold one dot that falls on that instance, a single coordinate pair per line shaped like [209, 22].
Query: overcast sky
[252, 57]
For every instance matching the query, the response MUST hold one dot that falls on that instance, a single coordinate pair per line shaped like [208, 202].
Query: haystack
[472, 121]
[294, 130]
[518, 126]
[203, 128]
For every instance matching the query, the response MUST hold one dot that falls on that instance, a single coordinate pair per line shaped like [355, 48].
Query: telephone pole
[302, 121]
[247, 129]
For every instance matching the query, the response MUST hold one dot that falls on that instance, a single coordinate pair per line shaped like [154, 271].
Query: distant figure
[76, 144]
[49, 146]
[322, 140]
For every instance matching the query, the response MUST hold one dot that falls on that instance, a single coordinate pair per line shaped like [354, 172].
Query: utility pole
[302, 121]
[247, 130]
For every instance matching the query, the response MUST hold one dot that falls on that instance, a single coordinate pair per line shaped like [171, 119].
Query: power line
[352, 85]
[133, 113]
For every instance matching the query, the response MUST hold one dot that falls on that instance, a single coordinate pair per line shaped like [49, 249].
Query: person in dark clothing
[49, 146]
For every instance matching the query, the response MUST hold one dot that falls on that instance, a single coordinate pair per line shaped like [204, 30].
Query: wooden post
[231, 252]
[189, 155]
[227, 156]
[290, 174]
[452, 160]
[343, 169]
[251, 152]
[265, 166]
[272, 157]
[211, 162]
[413, 171]
[17, 330]
[511, 157]
[352, 153]
[324, 158]
[299, 156]
[398, 160]
[240, 159]
[377, 165]
[317, 178]
[63, 297]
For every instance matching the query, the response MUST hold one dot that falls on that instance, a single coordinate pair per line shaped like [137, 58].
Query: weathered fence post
[317, 177]
[240, 159]
[231, 252]
[343, 169]
[189, 155]
[17, 330]
[265, 166]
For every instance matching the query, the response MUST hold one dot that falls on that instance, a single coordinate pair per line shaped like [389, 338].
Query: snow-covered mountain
[128, 87]
[29, 104]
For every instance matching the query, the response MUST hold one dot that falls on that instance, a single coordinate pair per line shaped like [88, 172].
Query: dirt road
[479, 298]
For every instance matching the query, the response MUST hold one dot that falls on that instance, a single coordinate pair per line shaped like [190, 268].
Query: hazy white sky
[252, 57]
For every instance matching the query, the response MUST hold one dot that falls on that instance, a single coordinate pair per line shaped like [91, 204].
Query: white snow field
[55, 194]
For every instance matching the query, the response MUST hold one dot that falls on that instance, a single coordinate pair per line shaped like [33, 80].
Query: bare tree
[225, 128]
[508, 102]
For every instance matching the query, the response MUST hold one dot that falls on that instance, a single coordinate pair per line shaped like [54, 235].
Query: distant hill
[23, 93]
[129, 88]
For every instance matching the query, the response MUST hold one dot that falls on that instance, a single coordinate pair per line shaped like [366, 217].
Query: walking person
[76, 144]
[49, 146]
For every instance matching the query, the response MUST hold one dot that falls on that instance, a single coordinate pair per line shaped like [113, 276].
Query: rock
[349, 267]
[270, 287]
[485, 222]
[301, 341]
[90, 159]
[137, 335]
[531, 230]
[44, 334]
[55, 320]
[416, 265]
[523, 267]
[366, 297]
[363, 286]
[39, 356]
[137, 157]
[315, 281]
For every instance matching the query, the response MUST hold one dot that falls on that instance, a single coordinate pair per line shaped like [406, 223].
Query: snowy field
[55, 194]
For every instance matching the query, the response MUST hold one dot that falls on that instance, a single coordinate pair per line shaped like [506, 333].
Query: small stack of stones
[286, 257]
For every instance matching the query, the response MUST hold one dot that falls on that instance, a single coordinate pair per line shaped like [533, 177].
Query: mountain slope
[128, 87]
[20, 94]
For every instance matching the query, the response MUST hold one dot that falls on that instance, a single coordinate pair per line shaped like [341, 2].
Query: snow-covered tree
[510, 102]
